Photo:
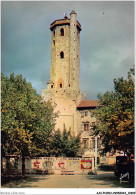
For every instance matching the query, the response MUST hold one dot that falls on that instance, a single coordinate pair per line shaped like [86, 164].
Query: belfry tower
[64, 86]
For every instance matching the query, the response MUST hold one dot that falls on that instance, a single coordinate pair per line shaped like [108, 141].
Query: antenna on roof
[65, 15]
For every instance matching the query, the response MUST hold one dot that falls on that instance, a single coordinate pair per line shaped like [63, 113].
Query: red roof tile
[88, 104]
[62, 22]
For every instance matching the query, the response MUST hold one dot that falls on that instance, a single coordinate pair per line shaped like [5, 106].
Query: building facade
[63, 88]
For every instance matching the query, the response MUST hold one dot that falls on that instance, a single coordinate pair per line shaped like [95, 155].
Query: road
[103, 179]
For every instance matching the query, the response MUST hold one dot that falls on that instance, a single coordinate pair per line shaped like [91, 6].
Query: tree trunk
[2, 169]
[8, 167]
[23, 165]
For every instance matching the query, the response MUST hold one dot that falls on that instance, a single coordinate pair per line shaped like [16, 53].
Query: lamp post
[95, 154]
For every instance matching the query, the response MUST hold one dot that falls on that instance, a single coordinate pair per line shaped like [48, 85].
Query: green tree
[115, 116]
[27, 122]
[64, 144]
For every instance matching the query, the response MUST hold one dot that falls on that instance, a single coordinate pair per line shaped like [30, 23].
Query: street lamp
[96, 154]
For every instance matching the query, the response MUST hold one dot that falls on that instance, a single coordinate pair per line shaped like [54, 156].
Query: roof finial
[73, 12]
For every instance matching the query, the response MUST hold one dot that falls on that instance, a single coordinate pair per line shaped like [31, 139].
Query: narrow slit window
[62, 54]
[60, 85]
[62, 32]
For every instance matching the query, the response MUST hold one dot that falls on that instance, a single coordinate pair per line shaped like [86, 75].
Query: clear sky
[107, 41]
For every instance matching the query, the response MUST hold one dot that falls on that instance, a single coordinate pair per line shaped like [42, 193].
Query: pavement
[103, 179]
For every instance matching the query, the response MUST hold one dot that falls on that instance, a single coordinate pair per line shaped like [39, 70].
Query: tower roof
[88, 104]
[64, 21]
[73, 12]
[59, 23]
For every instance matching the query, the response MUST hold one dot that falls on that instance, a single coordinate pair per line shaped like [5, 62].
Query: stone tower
[64, 86]
[65, 53]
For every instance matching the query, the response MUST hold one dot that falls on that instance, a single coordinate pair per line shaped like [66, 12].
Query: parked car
[125, 167]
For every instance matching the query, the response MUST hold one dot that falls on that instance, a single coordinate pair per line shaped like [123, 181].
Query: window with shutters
[86, 127]
[86, 113]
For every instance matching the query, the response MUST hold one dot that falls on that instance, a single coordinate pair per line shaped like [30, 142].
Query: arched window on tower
[62, 54]
[60, 85]
[62, 32]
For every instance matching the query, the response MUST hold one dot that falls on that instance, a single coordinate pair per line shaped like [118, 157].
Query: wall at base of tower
[65, 102]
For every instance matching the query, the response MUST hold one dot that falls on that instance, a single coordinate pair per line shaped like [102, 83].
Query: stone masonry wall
[62, 64]
[65, 71]
[74, 66]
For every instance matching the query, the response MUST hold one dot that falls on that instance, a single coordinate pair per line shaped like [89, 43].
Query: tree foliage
[64, 144]
[27, 122]
[115, 116]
